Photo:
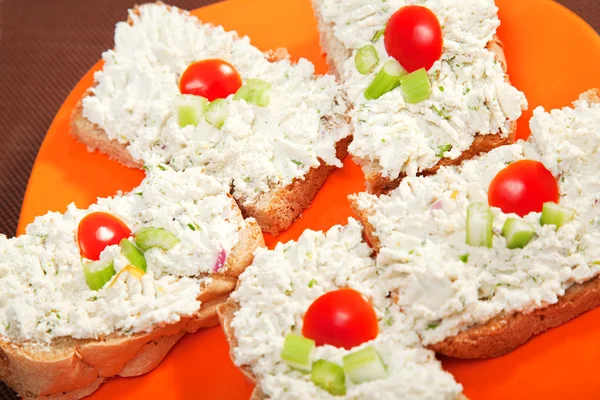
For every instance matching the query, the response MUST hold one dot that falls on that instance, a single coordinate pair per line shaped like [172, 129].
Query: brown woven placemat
[45, 48]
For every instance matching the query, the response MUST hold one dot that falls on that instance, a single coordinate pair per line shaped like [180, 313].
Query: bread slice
[276, 210]
[376, 183]
[226, 313]
[507, 331]
[74, 368]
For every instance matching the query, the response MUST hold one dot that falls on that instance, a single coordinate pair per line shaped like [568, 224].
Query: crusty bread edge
[277, 212]
[226, 313]
[73, 369]
[505, 332]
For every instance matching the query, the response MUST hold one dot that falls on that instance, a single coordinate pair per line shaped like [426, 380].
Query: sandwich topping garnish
[96, 231]
[205, 85]
[340, 318]
[413, 38]
[211, 79]
[523, 187]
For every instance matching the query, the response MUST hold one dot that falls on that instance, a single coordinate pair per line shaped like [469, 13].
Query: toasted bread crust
[95, 138]
[74, 368]
[226, 312]
[505, 332]
[277, 212]
[378, 184]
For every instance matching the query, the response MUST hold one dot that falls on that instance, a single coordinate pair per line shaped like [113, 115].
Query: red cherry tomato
[413, 36]
[523, 187]
[213, 79]
[343, 318]
[97, 231]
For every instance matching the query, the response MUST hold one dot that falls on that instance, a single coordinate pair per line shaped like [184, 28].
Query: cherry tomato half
[343, 318]
[212, 78]
[413, 36]
[523, 187]
[97, 231]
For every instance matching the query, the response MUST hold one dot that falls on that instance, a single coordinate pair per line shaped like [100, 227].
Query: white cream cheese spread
[447, 285]
[258, 149]
[44, 294]
[470, 94]
[280, 285]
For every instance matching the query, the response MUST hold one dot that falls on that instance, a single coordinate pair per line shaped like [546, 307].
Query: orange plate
[553, 56]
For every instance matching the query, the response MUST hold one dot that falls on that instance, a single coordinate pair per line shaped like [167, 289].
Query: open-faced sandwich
[485, 255]
[91, 294]
[427, 81]
[177, 92]
[312, 320]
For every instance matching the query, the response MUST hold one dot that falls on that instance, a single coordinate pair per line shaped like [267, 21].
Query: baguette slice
[274, 211]
[506, 331]
[337, 54]
[70, 368]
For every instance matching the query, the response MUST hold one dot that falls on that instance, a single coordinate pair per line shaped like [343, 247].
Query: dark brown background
[45, 47]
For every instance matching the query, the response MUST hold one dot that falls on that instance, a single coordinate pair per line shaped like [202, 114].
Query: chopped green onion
[190, 109]
[217, 112]
[148, 238]
[329, 376]
[517, 233]
[443, 149]
[387, 79]
[432, 325]
[98, 273]
[297, 352]
[479, 225]
[364, 365]
[133, 254]
[416, 86]
[553, 214]
[377, 35]
[366, 59]
[255, 91]
[464, 258]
